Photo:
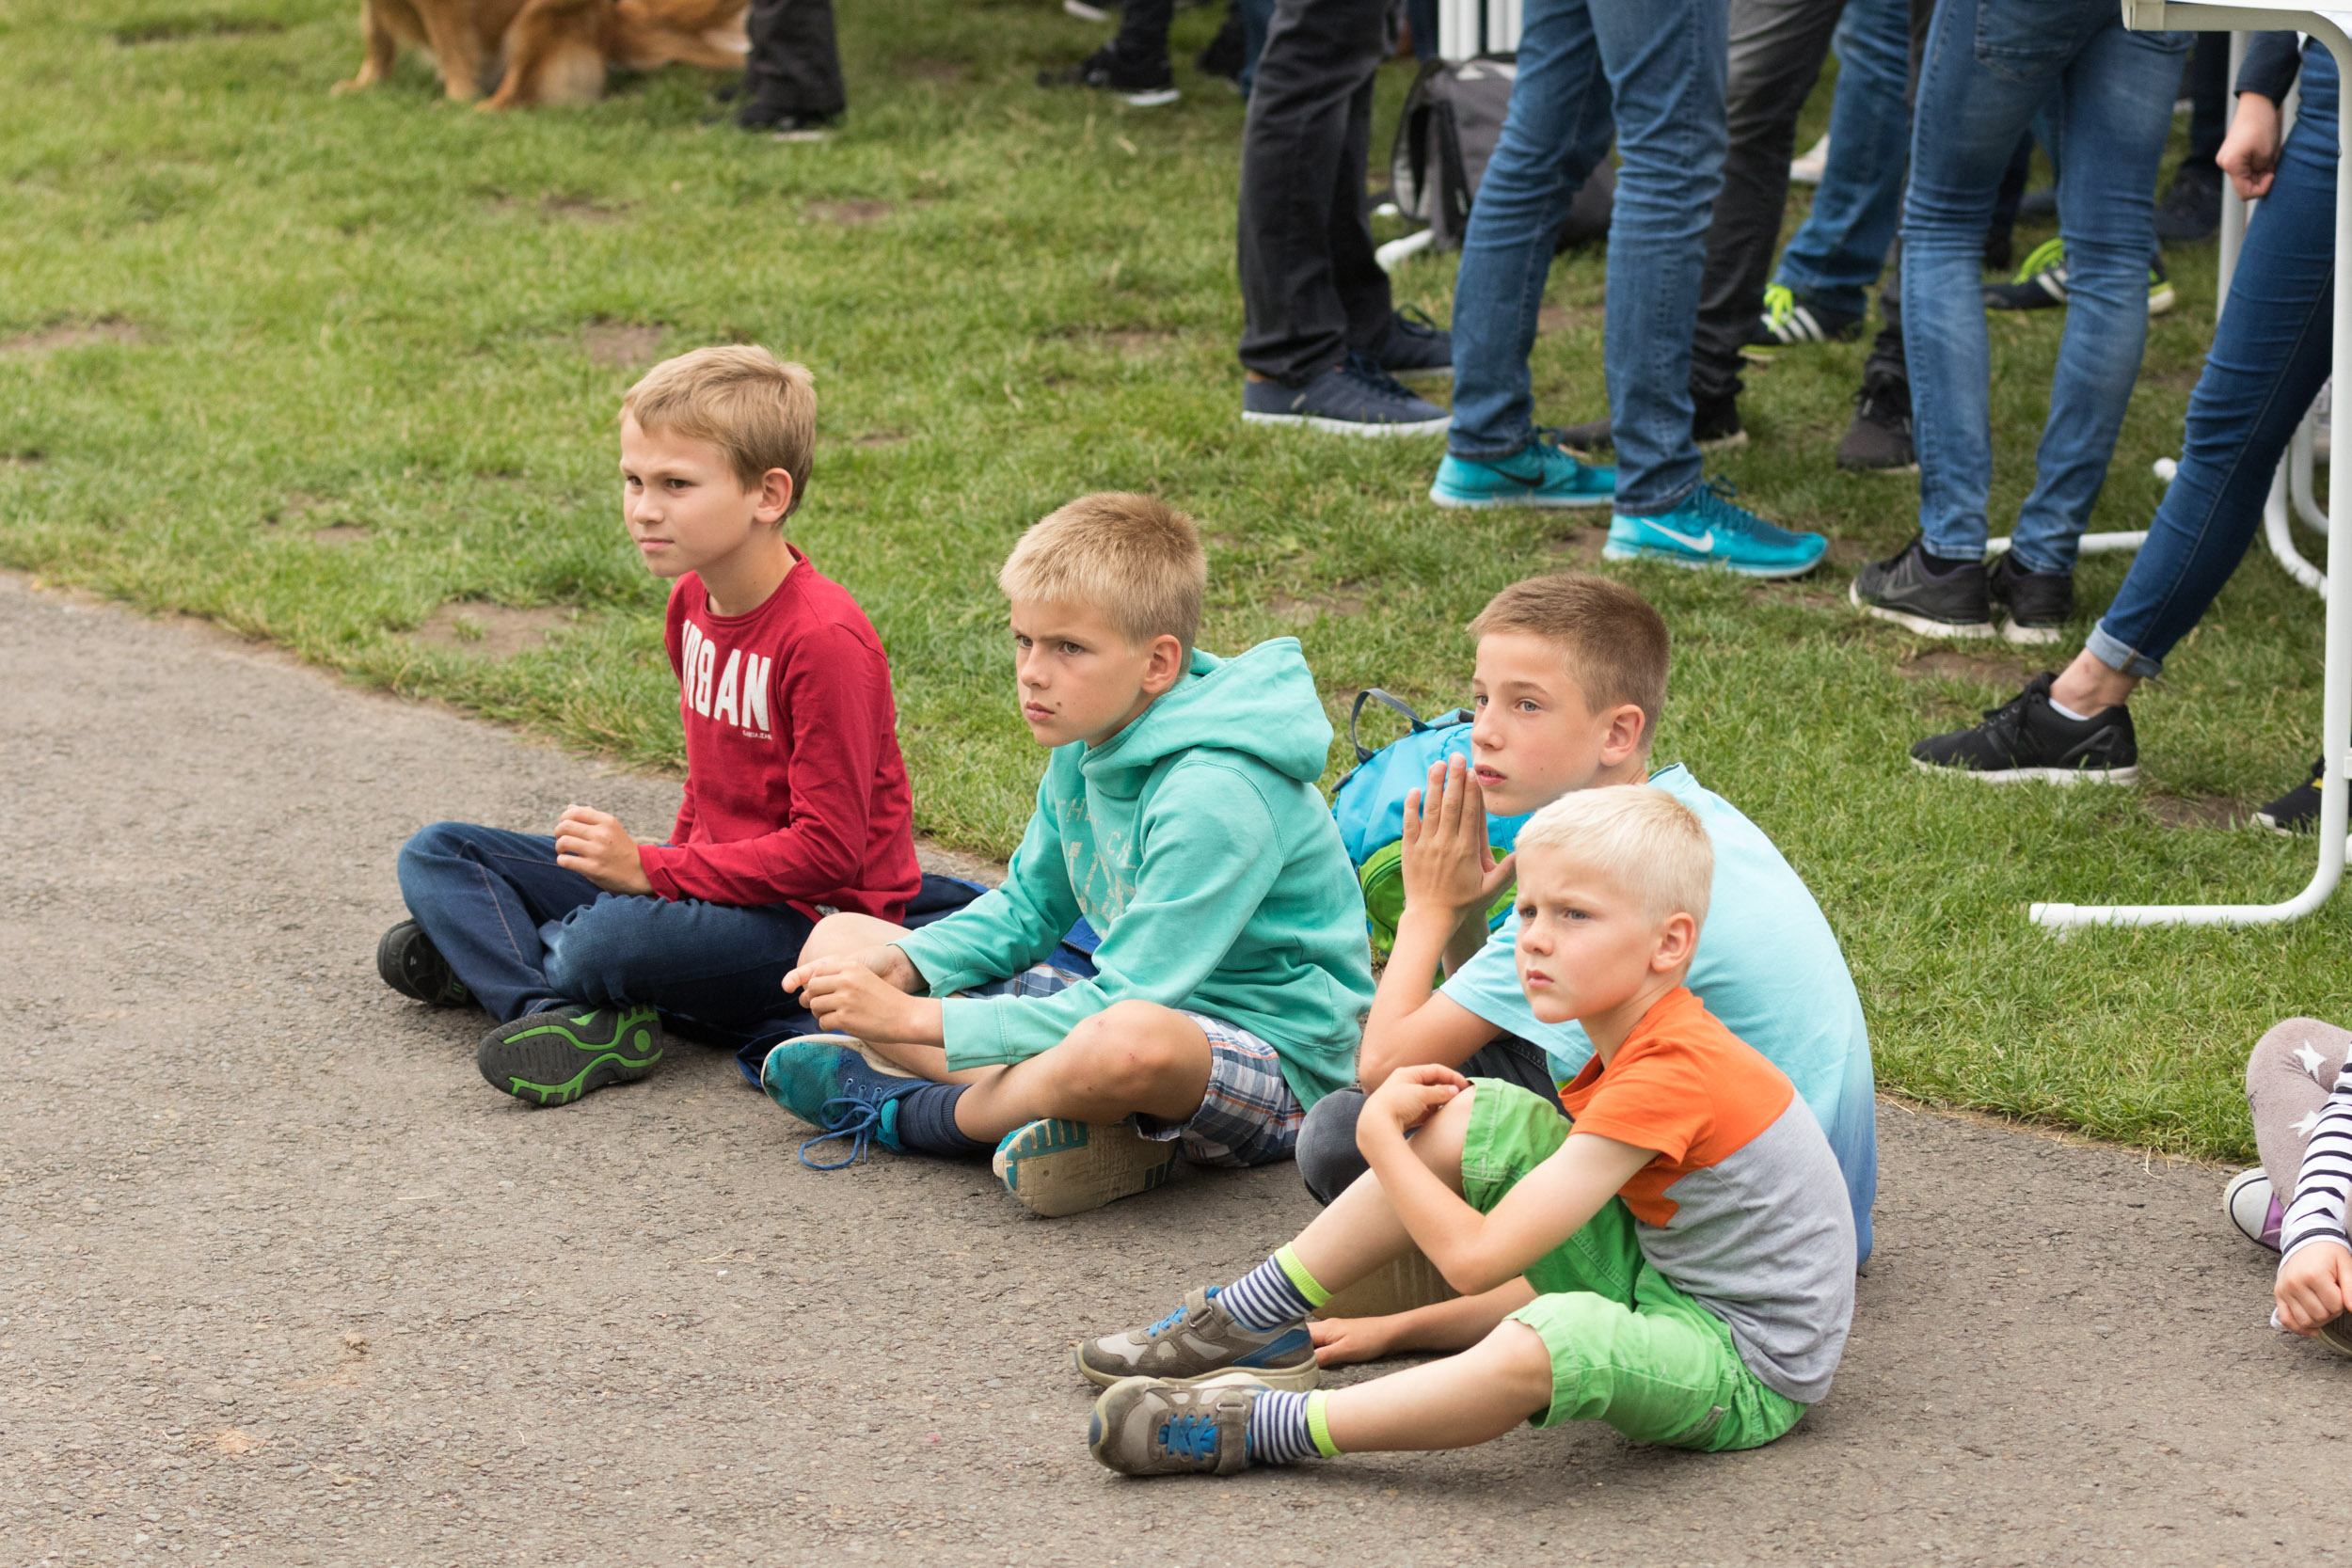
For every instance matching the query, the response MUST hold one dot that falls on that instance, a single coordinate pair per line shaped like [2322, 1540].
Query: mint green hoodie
[1196, 842]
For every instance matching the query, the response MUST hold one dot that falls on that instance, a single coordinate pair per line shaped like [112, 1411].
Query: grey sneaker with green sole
[1148, 1426]
[1200, 1341]
[556, 1055]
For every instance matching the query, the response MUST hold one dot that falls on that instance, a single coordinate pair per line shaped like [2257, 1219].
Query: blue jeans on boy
[523, 932]
[2104, 97]
[2270, 352]
[1840, 249]
[1655, 75]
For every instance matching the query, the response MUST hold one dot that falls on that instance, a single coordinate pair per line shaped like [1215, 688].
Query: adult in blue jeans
[2270, 353]
[1840, 249]
[1657, 74]
[2102, 96]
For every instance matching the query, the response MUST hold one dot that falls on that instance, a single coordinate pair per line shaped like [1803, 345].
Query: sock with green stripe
[1285, 1428]
[1279, 1291]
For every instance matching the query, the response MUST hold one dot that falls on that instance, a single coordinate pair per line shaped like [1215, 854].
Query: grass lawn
[340, 373]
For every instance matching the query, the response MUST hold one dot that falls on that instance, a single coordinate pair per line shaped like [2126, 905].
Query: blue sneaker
[1538, 474]
[1355, 397]
[823, 1080]
[1710, 529]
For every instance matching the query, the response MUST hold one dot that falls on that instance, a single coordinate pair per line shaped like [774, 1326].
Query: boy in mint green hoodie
[1179, 815]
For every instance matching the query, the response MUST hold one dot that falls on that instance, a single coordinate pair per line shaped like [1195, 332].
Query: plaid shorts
[1248, 1116]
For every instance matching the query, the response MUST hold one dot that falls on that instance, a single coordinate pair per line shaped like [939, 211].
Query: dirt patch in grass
[853, 213]
[492, 630]
[338, 534]
[2003, 670]
[23, 459]
[205, 24]
[2196, 811]
[1340, 604]
[1127, 342]
[574, 206]
[621, 343]
[879, 438]
[105, 329]
[1581, 545]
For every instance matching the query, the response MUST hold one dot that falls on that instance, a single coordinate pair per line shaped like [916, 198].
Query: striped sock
[1279, 1291]
[1285, 1428]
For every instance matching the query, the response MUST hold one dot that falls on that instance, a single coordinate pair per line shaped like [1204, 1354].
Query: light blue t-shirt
[1767, 966]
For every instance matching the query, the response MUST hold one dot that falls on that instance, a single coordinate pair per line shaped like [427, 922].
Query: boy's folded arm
[1205, 871]
[1007, 928]
[1439, 1031]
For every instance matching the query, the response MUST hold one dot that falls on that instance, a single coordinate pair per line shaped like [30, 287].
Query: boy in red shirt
[584, 942]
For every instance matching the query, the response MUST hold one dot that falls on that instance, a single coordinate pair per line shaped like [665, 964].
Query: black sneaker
[1226, 54]
[1714, 425]
[1354, 397]
[1415, 345]
[2192, 208]
[1912, 590]
[558, 1054]
[1879, 440]
[2035, 604]
[2028, 738]
[1145, 84]
[2297, 810]
[411, 965]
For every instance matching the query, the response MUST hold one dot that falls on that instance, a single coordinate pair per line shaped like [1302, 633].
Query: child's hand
[2315, 1287]
[1343, 1342]
[591, 843]
[849, 998]
[2249, 153]
[1448, 862]
[1408, 1096]
[892, 965]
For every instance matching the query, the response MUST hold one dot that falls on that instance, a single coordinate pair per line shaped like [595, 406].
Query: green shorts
[1626, 1347]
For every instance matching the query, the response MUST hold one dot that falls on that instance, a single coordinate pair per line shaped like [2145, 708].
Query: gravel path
[282, 1282]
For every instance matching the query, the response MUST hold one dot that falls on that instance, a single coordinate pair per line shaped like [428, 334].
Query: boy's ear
[1167, 665]
[1621, 739]
[1677, 940]
[775, 496]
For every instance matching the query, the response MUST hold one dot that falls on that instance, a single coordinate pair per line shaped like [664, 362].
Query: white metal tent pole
[2335, 704]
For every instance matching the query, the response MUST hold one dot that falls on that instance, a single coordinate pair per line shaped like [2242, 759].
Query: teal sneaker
[828, 1083]
[1710, 529]
[1538, 474]
[556, 1055]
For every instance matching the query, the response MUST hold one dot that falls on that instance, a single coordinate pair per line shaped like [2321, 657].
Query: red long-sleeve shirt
[795, 791]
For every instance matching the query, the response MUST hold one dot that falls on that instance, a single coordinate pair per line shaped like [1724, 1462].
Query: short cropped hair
[1647, 844]
[761, 411]
[1135, 558]
[1614, 643]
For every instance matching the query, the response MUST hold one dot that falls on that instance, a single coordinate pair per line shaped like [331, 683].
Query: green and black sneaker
[556, 1055]
[411, 965]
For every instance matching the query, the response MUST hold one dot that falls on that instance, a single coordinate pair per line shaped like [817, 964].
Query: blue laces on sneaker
[1176, 1318]
[860, 1120]
[1193, 1436]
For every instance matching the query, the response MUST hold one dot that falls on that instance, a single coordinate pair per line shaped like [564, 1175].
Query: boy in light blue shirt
[1571, 674]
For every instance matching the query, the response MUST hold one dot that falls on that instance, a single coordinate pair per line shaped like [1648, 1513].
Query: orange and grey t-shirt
[1745, 1209]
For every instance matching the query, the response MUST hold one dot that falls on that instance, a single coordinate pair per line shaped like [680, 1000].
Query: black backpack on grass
[1452, 119]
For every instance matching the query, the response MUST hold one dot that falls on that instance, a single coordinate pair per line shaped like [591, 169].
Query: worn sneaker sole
[1524, 498]
[1398, 1285]
[1149, 98]
[1349, 427]
[2036, 775]
[2013, 631]
[1920, 623]
[1697, 563]
[539, 1061]
[1302, 1379]
[1056, 1167]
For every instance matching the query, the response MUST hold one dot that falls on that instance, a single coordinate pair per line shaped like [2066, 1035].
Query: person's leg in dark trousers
[1777, 49]
[1142, 34]
[793, 77]
[1311, 289]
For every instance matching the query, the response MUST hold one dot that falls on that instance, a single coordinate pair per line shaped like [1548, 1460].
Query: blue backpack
[1369, 807]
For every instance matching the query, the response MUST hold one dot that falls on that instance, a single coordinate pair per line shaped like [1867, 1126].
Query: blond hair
[1613, 642]
[761, 411]
[1135, 558]
[1648, 845]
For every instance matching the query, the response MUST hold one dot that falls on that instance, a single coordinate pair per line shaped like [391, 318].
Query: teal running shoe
[556, 1055]
[1538, 474]
[826, 1082]
[1709, 529]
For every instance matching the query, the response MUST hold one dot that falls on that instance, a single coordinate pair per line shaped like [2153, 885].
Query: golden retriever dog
[546, 50]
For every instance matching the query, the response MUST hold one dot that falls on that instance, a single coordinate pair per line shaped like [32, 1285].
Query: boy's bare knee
[1138, 1046]
[1519, 1359]
[836, 934]
[1439, 1144]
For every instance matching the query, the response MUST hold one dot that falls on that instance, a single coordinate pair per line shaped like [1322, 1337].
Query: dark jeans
[795, 67]
[1142, 34]
[2270, 352]
[1328, 1157]
[1311, 289]
[522, 933]
[2206, 86]
[1778, 47]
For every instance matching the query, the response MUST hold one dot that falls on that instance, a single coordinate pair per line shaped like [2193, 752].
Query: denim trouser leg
[1991, 66]
[1840, 249]
[482, 894]
[2270, 352]
[1778, 47]
[1664, 66]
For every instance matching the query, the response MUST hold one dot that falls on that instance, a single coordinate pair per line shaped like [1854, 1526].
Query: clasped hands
[868, 993]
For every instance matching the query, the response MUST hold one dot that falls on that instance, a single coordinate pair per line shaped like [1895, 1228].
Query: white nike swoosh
[1702, 543]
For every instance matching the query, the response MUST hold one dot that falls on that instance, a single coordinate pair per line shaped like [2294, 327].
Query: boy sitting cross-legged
[1179, 815]
[581, 942]
[1673, 1257]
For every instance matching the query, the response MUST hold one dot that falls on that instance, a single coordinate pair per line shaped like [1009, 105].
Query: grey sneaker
[1146, 1426]
[1199, 1341]
[1355, 397]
